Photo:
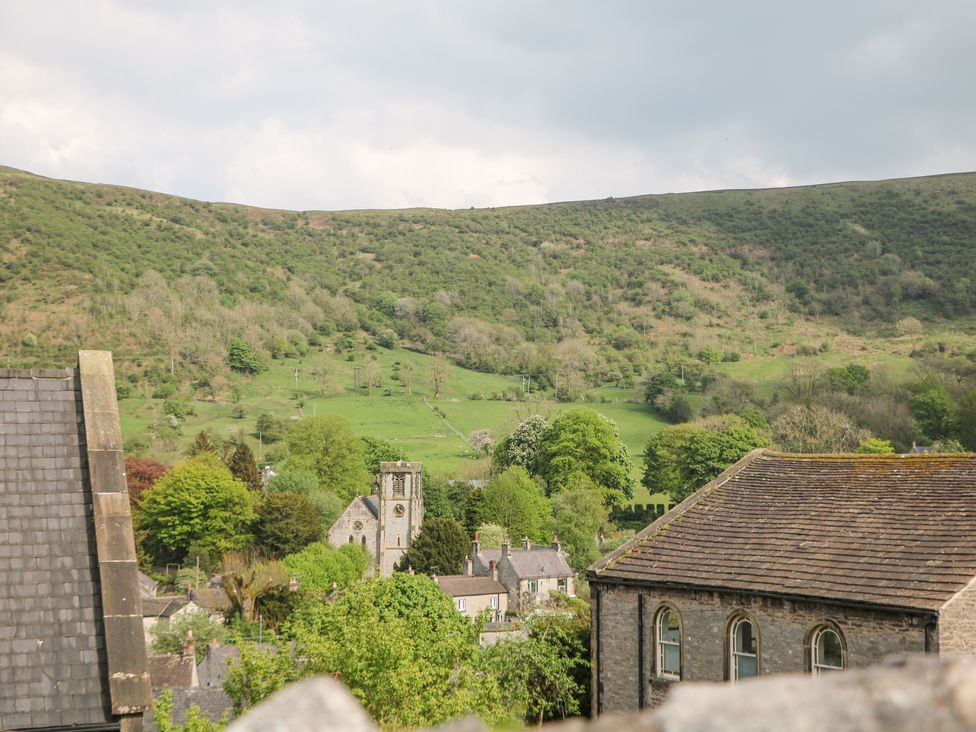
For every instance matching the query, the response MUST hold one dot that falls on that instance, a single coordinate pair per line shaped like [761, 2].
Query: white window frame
[734, 655]
[562, 585]
[661, 643]
[493, 602]
[532, 586]
[820, 668]
[461, 604]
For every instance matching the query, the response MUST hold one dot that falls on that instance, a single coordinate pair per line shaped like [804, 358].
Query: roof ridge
[863, 457]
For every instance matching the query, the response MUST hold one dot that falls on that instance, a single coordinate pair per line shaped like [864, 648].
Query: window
[562, 584]
[493, 601]
[364, 542]
[533, 587]
[826, 650]
[668, 644]
[399, 481]
[743, 649]
[461, 604]
[350, 538]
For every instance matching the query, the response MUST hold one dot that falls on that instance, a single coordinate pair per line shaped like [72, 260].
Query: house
[165, 610]
[212, 669]
[473, 595]
[529, 573]
[147, 585]
[214, 600]
[386, 522]
[71, 645]
[790, 563]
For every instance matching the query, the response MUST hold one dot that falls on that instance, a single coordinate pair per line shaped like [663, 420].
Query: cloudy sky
[328, 105]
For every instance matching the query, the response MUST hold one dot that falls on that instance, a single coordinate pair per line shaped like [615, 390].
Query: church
[387, 521]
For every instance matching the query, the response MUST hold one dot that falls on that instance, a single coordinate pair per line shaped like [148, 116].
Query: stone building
[529, 572]
[473, 595]
[386, 522]
[71, 645]
[790, 563]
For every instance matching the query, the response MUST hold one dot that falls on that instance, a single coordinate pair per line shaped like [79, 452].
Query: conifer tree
[244, 467]
[202, 444]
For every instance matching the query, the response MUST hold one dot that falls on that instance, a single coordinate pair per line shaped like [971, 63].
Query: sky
[457, 103]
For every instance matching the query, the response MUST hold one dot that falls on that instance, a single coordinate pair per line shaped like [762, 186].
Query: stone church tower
[401, 512]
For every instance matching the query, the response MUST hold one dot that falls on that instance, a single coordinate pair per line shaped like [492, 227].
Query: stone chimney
[493, 570]
[506, 549]
[475, 547]
[293, 584]
[556, 544]
[189, 647]
[526, 544]
[468, 566]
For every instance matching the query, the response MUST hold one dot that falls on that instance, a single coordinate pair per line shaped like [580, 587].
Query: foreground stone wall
[904, 695]
[783, 629]
[957, 623]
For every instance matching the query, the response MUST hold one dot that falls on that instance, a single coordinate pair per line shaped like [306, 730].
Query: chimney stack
[189, 647]
[468, 566]
[293, 584]
[475, 547]
[556, 544]
[493, 569]
[506, 549]
[526, 544]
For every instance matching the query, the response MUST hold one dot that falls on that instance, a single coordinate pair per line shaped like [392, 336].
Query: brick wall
[783, 627]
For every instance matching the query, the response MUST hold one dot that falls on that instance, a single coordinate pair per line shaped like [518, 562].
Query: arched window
[668, 628]
[826, 650]
[364, 542]
[350, 538]
[743, 649]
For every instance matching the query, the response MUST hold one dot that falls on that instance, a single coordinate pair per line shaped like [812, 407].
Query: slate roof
[163, 607]
[214, 599]
[465, 585]
[372, 503]
[896, 531]
[147, 585]
[533, 563]
[171, 670]
[54, 667]
[211, 702]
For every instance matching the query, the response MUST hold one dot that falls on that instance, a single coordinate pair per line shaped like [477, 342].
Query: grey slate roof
[147, 585]
[212, 703]
[372, 503]
[171, 670]
[465, 585]
[163, 607]
[533, 563]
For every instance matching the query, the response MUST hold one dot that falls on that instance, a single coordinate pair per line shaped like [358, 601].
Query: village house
[790, 563]
[386, 522]
[529, 573]
[473, 595]
[71, 640]
[156, 610]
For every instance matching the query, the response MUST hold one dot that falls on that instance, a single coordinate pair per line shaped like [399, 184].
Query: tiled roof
[212, 703]
[532, 563]
[162, 607]
[883, 530]
[214, 599]
[463, 585]
[171, 670]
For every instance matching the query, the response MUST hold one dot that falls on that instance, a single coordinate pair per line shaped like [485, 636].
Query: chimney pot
[526, 544]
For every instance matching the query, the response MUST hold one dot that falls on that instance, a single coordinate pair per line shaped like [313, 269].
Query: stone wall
[957, 623]
[345, 526]
[783, 628]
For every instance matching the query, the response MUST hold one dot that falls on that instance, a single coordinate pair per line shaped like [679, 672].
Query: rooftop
[465, 585]
[883, 530]
[531, 563]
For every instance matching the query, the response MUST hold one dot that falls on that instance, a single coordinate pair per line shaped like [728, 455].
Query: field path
[447, 424]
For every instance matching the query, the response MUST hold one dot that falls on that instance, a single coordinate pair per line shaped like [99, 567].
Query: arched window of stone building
[826, 649]
[399, 481]
[668, 629]
[364, 542]
[350, 538]
[743, 644]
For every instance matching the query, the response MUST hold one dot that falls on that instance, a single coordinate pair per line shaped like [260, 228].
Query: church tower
[401, 512]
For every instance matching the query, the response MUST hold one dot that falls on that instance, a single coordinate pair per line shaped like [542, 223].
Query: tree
[965, 420]
[286, 523]
[376, 451]
[583, 441]
[909, 326]
[931, 408]
[244, 467]
[170, 637]
[682, 458]
[398, 644]
[813, 428]
[523, 445]
[445, 498]
[578, 516]
[492, 536]
[141, 474]
[303, 480]
[328, 446]
[201, 444]
[374, 375]
[440, 374]
[269, 428]
[439, 548]
[406, 376]
[198, 502]
[514, 501]
[481, 440]
[241, 358]
[247, 578]
[875, 446]
[319, 566]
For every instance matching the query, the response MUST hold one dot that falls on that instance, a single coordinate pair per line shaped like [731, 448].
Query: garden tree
[514, 501]
[931, 407]
[328, 446]
[444, 497]
[812, 428]
[583, 441]
[244, 467]
[546, 675]
[481, 440]
[523, 445]
[440, 548]
[875, 446]
[169, 637]
[398, 644]
[269, 428]
[241, 358]
[246, 578]
[202, 443]
[376, 451]
[492, 536]
[198, 502]
[578, 516]
[440, 374]
[374, 375]
[286, 523]
[319, 566]
[141, 474]
[965, 420]
[682, 458]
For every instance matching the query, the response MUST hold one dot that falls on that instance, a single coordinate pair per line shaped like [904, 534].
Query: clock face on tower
[398, 510]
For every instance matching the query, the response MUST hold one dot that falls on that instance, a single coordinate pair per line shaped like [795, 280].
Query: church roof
[372, 503]
[883, 530]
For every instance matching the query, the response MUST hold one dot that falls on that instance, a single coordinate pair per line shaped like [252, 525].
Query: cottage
[385, 523]
[165, 610]
[529, 573]
[473, 595]
[71, 645]
[790, 563]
